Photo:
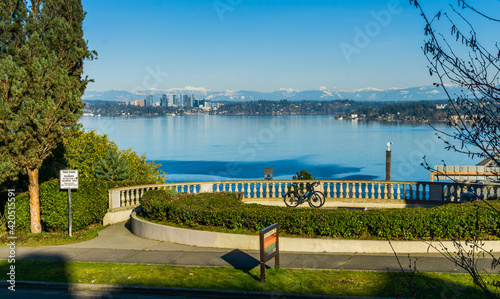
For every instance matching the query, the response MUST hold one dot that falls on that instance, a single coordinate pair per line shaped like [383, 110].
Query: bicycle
[293, 198]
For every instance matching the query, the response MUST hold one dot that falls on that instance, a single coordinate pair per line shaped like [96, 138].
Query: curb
[165, 291]
[191, 237]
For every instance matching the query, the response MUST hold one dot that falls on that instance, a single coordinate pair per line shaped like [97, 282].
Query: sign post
[269, 248]
[68, 179]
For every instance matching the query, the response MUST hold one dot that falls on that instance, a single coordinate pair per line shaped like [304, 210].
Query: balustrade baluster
[398, 186]
[122, 199]
[245, 187]
[417, 192]
[125, 201]
[341, 190]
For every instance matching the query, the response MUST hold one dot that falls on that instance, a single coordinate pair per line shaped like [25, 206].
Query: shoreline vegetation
[416, 111]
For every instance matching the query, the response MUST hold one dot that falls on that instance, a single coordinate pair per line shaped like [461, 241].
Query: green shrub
[89, 204]
[459, 221]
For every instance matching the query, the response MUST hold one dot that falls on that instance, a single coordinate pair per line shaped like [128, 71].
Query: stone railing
[128, 197]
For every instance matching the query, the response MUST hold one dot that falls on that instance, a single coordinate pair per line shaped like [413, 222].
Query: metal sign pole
[69, 212]
[68, 179]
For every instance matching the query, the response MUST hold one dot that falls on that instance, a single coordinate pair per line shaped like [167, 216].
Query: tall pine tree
[41, 64]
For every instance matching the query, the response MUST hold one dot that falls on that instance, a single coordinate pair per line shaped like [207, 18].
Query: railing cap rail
[286, 181]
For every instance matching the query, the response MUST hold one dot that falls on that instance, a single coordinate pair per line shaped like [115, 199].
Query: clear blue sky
[258, 45]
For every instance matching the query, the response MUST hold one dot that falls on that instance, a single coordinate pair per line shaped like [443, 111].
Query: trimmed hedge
[453, 221]
[89, 204]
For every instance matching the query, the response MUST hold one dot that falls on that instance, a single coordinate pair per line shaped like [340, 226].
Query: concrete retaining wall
[155, 231]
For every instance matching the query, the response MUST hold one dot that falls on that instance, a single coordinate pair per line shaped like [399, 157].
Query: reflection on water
[200, 148]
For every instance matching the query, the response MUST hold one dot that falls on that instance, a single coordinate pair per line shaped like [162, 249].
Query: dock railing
[128, 197]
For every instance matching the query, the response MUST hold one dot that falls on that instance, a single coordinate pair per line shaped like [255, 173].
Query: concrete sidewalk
[116, 244]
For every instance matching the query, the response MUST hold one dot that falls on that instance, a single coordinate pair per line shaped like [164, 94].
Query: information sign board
[269, 248]
[68, 179]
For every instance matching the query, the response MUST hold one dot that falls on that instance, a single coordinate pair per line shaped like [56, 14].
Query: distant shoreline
[281, 115]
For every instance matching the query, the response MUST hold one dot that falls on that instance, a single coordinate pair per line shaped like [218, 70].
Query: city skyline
[258, 45]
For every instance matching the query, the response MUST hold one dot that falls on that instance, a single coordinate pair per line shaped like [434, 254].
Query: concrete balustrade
[123, 200]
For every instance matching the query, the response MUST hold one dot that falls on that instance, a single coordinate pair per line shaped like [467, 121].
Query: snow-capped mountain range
[321, 94]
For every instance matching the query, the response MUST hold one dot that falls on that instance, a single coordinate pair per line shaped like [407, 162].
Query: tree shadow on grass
[37, 274]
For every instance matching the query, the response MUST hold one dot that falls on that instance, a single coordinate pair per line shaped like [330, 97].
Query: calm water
[202, 148]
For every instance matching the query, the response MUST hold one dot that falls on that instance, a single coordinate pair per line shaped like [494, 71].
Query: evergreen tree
[41, 64]
[303, 175]
[113, 167]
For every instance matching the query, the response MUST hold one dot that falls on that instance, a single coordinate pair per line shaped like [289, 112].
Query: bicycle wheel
[291, 199]
[317, 200]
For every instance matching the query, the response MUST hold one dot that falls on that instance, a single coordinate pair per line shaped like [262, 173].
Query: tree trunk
[33, 190]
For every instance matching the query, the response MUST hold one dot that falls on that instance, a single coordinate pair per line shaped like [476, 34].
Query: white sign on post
[68, 179]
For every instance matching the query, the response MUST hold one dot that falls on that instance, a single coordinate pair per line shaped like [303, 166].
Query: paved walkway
[116, 244]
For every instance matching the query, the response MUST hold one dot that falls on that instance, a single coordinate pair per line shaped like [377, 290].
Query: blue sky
[260, 45]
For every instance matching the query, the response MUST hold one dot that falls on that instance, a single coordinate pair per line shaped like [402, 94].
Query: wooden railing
[465, 173]
[128, 197]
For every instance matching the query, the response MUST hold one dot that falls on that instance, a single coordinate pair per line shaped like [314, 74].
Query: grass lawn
[344, 283]
[52, 238]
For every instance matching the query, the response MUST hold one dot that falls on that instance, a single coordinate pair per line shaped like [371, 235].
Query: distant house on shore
[485, 171]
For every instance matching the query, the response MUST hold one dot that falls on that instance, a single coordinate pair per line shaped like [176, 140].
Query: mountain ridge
[321, 94]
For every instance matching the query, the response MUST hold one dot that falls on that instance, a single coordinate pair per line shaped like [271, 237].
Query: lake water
[206, 148]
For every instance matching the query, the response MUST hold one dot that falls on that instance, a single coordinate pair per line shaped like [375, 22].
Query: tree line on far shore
[397, 111]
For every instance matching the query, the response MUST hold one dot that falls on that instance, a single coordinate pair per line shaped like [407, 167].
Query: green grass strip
[323, 282]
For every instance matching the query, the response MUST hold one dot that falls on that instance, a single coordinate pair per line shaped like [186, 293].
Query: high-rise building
[170, 100]
[149, 100]
[184, 100]
[164, 102]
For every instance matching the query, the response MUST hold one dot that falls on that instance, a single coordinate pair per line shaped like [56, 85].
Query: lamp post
[388, 162]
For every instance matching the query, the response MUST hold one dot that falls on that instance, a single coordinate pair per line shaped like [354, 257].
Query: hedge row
[453, 221]
[89, 204]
